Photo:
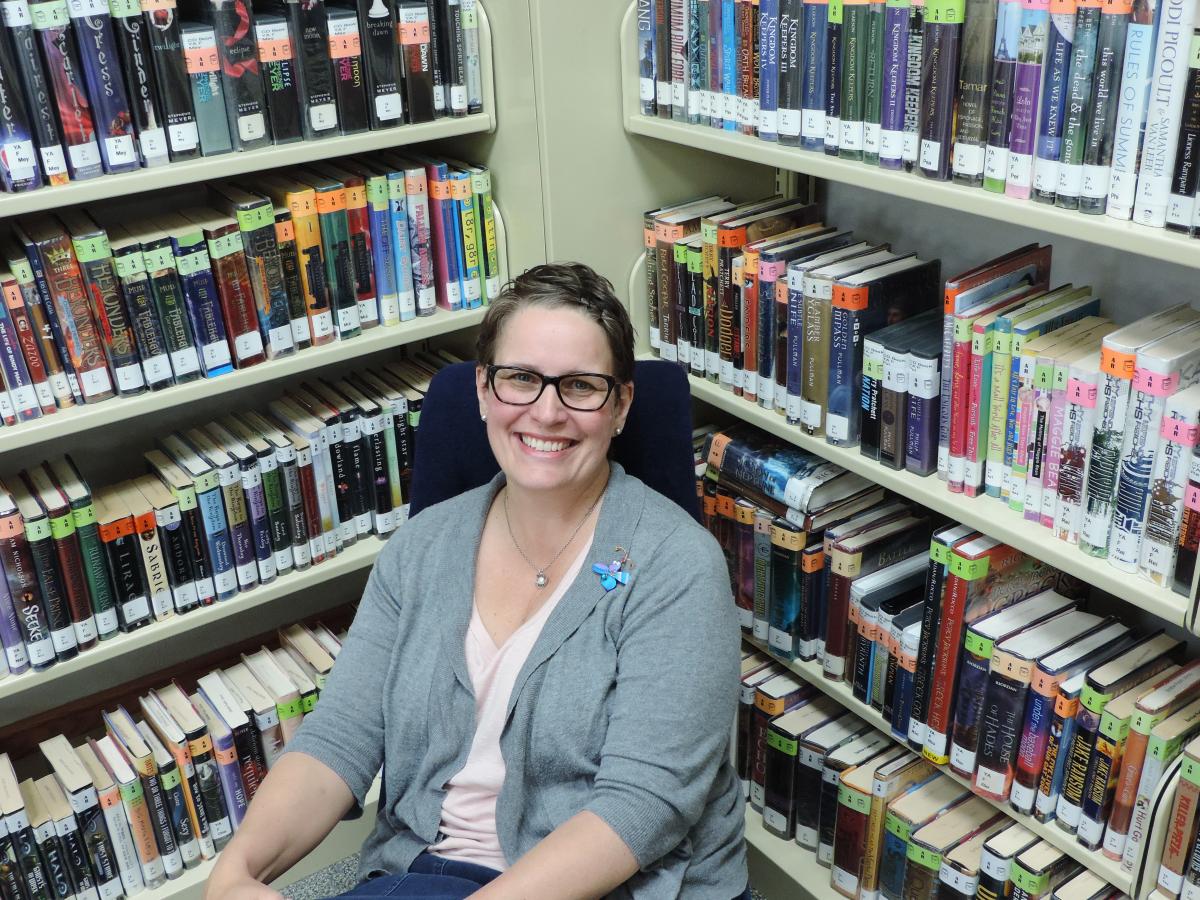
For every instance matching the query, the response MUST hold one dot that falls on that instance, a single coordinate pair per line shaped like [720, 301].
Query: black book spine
[11, 885]
[193, 533]
[58, 876]
[95, 840]
[76, 856]
[160, 815]
[65, 73]
[98, 54]
[377, 25]
[296, 519]
[143, 319]
[349, 74]
[437, 28]
[50, 581]
[37, 887]
[244, 739]
[173, 538]
[886, 702]
[245, 97]
[377, 454]
[930, 624]
[862, 665]
[344, 484]
[454, 57]
[132, 600]
[39, 100]
[416, 59]
[310, 37]
[277, 55]
[141, 84]
[18, 162]
[174, 85]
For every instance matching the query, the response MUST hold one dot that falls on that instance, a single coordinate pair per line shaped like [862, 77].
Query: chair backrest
[453, 454]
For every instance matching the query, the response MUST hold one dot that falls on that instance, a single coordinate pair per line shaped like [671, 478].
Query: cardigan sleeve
[346, 729]
[674, 699]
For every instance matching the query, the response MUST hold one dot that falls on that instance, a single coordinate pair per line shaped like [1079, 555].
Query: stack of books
[224, 507]
[97, 87]
[1044, 101]
[95, 307]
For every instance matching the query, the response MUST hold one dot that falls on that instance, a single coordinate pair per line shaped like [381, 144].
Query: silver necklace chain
[541, 580]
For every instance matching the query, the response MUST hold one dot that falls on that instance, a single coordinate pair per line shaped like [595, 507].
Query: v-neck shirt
[468, 825]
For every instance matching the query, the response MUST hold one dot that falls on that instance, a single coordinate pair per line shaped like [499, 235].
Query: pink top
[469, 811]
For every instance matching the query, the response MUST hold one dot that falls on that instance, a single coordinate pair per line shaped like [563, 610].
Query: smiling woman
[537, 735]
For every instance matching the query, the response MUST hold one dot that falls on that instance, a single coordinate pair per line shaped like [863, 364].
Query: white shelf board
[986, 514]
[1109, 870]
[75, 419]
[1111, 234]
[798, 863]
[41, 689]
[228, 165]
[347, 837]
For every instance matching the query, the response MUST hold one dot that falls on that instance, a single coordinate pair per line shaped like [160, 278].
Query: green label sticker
[261, 216]
[979, 645]
[123, 9]
[1112, 728]
[873, 368]
[899, 4]
[1002, 343]
[1194, 55]
[396, 188]
[963, 329]
[209, 481]
[782, 744]
[939, 552]
[708, 232]
[51, 14]
[191, 263]
[946, 12]
[159, 258]
[694, 261]
[897, 827]
[854, 800]
[1191, 770]
[1142, 721]
[129, 265]
[37, 531]
[377, 190]
[62, 526]
[221, 247]
[1034, 885]
[170, 780]
[92, 248]
[84, 516]
[681, 253]
[290, 710]
[1043, 377]
[21, 270]
[186, 497]
[309, 701]
[1093, 700]
[836, 12]
[924, 857]
[968, 569]
[131, 793]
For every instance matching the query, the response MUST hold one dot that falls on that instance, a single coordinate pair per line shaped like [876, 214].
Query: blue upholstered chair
[453, 454]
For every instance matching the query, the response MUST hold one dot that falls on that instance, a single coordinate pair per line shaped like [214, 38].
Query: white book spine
[1177, 437]
[1131, 117]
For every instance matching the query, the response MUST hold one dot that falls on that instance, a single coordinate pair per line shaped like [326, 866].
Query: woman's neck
[548, 517]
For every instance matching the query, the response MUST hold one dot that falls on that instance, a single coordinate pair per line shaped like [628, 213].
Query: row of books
[104, 87]
[884, 821]
[1041, 100]
[224, 507]
[298, 259]
[1179, 870]
[166, 785]
[1016, 390]
[976, 654]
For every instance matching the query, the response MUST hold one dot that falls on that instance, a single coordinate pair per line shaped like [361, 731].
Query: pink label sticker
[1154, 383]
[771, 271]
[1191, 497]
[1177, 431]
[1081, 393]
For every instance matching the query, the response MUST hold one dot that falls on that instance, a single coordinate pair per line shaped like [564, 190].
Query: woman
[542, 734]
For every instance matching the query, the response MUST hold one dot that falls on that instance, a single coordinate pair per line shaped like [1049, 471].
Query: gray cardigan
[624, 706]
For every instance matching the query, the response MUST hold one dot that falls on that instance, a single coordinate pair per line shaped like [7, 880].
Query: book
[277, 61]
[815, 746]
[247, 742]
[929, 844]
[371, 309]
[70, 798]
[112, 117]
[164, 32]
[172, 538]
[305, 231]
[413, 22]
[941, 40]
[136, 812]
[1036, 871]
[1181, 204]
[853, 835]
[863, 750]
[996, 858]
[172, 778]
[1172, 462]
[781, 759]
[960, 869]
[250, 695]
[309, 30]
[1055, 88]
[35, 90]
[921, 804]
[208, 451]
[277, 685]
[1175, 871]
[349, 71]
[1026, 96]
[114, 825]
[773, 697]
[183, 489]
[898, 582]
[117, 533]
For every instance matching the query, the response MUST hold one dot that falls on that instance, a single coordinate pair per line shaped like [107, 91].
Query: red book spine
[312, 510]
[941, 688]
[70, 562]
[837, 630]
[237, 296]
[358, 220]
[28, 339]
[750, 328]
[75, 316]
[970, 483]
[850, 841]
[448, 295]
[960, 388]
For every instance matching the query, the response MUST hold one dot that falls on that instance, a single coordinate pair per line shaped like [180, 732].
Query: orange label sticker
[285, 231]
[200, 746]
[10, 526]
[725, 506]
[226, 757]
[731, 238]
[781, 291]
[343, 45]
[275, 51]
[331, 201]
[1062, 7]
[201, 59]
[648, 238]
[710, 505]
[1066, 706]
[417, 185]
[670, 233]
[460, 189]
[716, 450]
[772, 706]
[1119, 365]
[439, 190]
[356, 197]
[813, 562]
[854, 298]
[12, 296]
[144, 522]
[414, 33]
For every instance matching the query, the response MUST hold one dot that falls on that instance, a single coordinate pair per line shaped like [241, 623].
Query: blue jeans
[434, 878]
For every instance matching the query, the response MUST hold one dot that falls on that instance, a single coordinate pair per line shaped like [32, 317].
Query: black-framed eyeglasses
[581, 391]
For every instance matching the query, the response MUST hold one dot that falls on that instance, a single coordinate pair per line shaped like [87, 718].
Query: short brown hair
[566, 286]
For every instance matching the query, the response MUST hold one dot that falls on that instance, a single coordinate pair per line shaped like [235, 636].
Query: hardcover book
[277, 59]
[170, 70]
[781, 758]
[242, 82]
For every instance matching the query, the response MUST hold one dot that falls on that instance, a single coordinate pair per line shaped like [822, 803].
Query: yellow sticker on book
[787, 538]
[968, 569]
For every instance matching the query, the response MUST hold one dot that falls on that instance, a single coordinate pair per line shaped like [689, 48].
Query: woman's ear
[481, 390]
[624, 402]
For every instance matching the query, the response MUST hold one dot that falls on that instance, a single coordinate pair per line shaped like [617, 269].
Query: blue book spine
[812, 117]
[202, 303]
[1062, 741]
[56, 331]
[841, 408]
[260, 524]
[469, 266]
[892, 863]
[729, 89]
[398, 216]
[102, 74]
[833, 78]
[716, 100]
[1054, 97]
[783, 612]
[795, 346]
[895, 84]
[216, 536]
[455, 262]
[768, 331]
[18, 157]
[379, 218]
[901, 703]
[768, 70]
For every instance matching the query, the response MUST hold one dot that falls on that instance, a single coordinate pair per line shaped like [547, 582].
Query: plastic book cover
[110, 105]
[19, 170]
[358, 223]
[853, 74]
[145, 107]
[159, 257]
[781, 758]
[1115, 20]
[834, 39]
[30, 272]
[309, 31]
[942, 25]
[1059, 746]
[236, 509]
[815, 746]
[15, 373]
[1136, 74]
[277, 59]
[36, 92]
[1079, 88]
[853, 824]
[772, 699]
[330, 201]
[285, 240]
[1026, 95]
[923, 401]
[1181, 202]
[164, 32]
[33, 614]
[349, 72]
[416, 59]
[143, 313]
[65, 71]
[873, 81]
[974, 76]
[919, 805]
[895, 581]
[930, 844]
[300, 200]
[241, 79]
[1052, 106]
[871, 384]
[208, 97]
[863, 750]
[26, 339]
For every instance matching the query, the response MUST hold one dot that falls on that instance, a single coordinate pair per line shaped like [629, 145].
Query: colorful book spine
[163, 281]
[60, 51]
[1164, 513]
[1053, 104]
[855, 16]
[1102, 106]
[1000, 95]
[1026, 94]
[401, 242]
[1083, 62]
[895, 84]
[98, 50]
[939, 72]
[236, 294]
[1136, 73]
[349, 74]
[264, 269]
[100, 281]
[39, 102]
[242, 83]
[1075, 452]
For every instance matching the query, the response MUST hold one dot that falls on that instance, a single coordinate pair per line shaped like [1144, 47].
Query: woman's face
[548, 446]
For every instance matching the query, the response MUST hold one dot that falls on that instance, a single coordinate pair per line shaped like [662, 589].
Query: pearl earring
[483, 417]
[618, 430]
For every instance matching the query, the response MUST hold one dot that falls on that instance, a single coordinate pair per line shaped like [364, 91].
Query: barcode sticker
[322, 116]
[183, 136]
[247, 345]
[95, 382]
[84, 155]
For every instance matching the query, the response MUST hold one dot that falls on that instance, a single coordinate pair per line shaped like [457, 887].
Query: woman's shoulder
[673, 532]
[440, 528]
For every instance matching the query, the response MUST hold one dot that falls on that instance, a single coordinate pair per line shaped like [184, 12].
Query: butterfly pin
[611, 573]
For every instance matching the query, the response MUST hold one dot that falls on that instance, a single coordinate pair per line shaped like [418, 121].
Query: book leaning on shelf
[225, 507]
[93, 311]
[141, 87]
[1048, 103]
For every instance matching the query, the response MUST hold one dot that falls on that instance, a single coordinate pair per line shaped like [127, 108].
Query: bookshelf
[1111, 234]
[209, 168]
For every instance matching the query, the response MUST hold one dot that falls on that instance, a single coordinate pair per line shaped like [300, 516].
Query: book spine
[42, 309]
[1136, 78]
[969, 704]
[98, 50]
[893, 859]
[945, 671]
[1083, 62]
[834, 36]
[225, 251]
[974, 77]
[169, 303]
[36, 91]
[853, 74]
[208, 95]
[1034, 743]
[307, 232]
[145, 114]
[237, 522]
[1074, 458]
[939, 555]
[143, 318]
[203, 307]
[1004, 64]
[939, 71]
[1026, 94]
[417, 64]
[242, 83]
[277, 59]
[1000, 734]
[1164, 514]
[1080, 782]
[1054, 441]
[310, 36]
[16, 657]
[894, 88]
[850, 842]
[233, 793]
[979, 397]
[1133, 763]
[1102, 105]
[61, 54]
[165, 37]
[646, 57]
[1189, 533]
[1113, 396]
[99, 278]
[172, 538]
[1181, 203]
[416, 273]
[873, 82]
[993, 475]
[175, 805]
[913, 102]
[32, 609]
[216, 535]
[1158, 759]
[18, 164]
[1053, 105]
[959, 395]
[814, 85]
[75, 317]
[297, 520]
[818, 314]
[264, 271]
[358, 224]
[382, 265]
[70, 563]
[1058, 752]
[1150, 390]
[13, 370]
[53, 590]
[349, 73]
[133, 603]
[26, 337]
[1181, 834]
[841, 425]
[153, 565]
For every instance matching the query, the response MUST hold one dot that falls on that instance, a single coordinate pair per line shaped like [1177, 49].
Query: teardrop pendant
[541, 579]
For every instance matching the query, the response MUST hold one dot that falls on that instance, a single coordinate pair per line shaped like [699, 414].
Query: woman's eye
[582, 387]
